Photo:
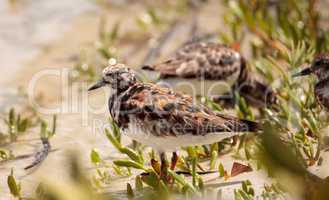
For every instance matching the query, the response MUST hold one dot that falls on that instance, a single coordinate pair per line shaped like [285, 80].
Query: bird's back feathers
[195, 60]
[169, 113]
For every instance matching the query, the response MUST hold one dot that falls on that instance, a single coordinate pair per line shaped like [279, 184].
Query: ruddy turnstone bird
[161, 118]
[210, 69]
[320, 68]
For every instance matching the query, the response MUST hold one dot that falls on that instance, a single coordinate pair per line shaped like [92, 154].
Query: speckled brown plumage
[163, 119]
[208, 60]
[149, 112]
[212, 61]
[168, 113]
[320, 68]
[321, 91]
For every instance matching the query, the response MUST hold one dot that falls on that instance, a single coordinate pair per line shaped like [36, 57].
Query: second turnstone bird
[161, 118]
[320, 68]
[209, 69]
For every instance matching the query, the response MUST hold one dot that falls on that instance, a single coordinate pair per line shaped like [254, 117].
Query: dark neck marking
[117, 100]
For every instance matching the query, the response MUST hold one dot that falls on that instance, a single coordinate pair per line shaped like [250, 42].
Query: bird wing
[164, 112]
[209, 60]
[321, 92]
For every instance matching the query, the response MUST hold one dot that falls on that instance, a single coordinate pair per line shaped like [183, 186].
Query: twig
[194, 28]
[41, 155]
[275, 44]
[194, 35]
[205, 36]
[200, 173]
[155, 51]
[185, 173]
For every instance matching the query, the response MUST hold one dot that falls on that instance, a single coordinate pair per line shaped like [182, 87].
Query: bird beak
[304, 72]
[98, 84]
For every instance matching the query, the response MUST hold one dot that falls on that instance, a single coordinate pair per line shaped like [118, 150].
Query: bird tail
[252, 126]
[241, 125]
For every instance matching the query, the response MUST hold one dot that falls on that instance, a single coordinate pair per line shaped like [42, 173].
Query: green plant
[246, 193]
[45, 135]
[6, 154]
[16, 124]
[14, 186]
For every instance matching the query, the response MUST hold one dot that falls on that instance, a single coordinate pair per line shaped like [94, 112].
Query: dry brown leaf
[239, 168]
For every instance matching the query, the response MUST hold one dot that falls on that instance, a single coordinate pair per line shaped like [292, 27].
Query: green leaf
[53, 131]
[113, 140]
[104, 52]
[191, 152]
[138, 183]
[14, 187]
[131, 154]
[114, 32]
[244, 110]
[43, 129]
[194, 174]
[117, 170]
[221, 170]
[116, 130]
[213, 105]
[94, 157]
[245, 186]
[40, 191]
[22, 126]
[18, 120]
[12, 117]
[152, 13]
[128, 163]
[6, 154]
[182, 181]
[201, 184]
[311, 123]
[130, 192]
[213, 159]
[245, 196]
[237, 195]
[151, 179]
[234, 6]
[163, 190]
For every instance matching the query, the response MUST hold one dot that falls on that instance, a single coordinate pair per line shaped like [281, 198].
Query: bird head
[117, 76]
[319, 67]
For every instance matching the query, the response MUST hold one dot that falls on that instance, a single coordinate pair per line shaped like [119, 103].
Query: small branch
[186, 173]
[194, 28]
[275, 44]
[199, 173]
[155, 51]
[41, 155]
[313, 22]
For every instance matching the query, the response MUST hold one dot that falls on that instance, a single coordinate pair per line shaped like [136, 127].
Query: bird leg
[164, 167]
[174, 160]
